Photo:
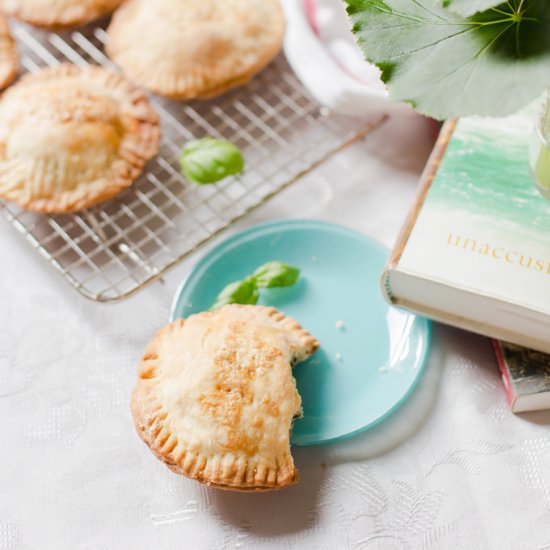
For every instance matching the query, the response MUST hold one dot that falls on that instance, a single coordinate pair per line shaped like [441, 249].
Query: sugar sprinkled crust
[72, 137]
[58, 13]
[195, 48]
[215, 397]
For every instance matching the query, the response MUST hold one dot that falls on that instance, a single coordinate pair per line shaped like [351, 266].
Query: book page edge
[426, 180]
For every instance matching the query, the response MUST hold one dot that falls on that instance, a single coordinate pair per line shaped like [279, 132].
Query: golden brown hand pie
[195, 48]
[215, 398]
[9, 60]
[72, 137]
[58, 13]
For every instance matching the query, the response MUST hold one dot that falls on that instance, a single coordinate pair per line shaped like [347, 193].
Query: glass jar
[539, 153]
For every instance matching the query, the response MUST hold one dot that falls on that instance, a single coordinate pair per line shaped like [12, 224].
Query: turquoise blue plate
[371, 355]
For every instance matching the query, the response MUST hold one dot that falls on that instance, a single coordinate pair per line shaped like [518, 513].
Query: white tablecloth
[452, 469]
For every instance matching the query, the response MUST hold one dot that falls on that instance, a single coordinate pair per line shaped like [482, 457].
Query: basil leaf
[447, 65]
[239, 292]
[270, 275]
[209, 160]
[276, 274]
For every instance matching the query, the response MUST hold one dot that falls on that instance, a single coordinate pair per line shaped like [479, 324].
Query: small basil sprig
[209, 160]
[275, 274]
[239, 292]
[270, 275]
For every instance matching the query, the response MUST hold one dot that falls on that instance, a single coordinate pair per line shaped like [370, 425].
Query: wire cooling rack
[110, 251]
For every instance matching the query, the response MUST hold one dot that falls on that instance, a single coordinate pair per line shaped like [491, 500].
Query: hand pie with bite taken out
[194, 48]
[58, 13]
[215, 398]
[72, 137]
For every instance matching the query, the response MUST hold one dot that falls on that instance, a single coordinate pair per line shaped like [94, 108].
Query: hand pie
[215, 398]
[72, 137]
[9, 60]
[58, 13]
[194, 48]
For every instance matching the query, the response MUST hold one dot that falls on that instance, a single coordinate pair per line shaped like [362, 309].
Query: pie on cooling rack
[58, 13]
[195, 48]
[9, 60]
[215, 398]
[72, 137]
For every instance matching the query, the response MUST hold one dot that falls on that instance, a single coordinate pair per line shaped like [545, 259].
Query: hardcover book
[475, 251]
[526, 377]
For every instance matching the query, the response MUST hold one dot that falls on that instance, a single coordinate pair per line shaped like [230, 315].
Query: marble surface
[453, 469]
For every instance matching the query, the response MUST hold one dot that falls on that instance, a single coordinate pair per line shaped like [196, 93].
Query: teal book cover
[476, 249]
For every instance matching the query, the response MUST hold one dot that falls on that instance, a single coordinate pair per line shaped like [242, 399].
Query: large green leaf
[470, 7]
[446, 65]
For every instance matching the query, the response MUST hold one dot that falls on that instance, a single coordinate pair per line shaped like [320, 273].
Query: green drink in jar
[539, 154]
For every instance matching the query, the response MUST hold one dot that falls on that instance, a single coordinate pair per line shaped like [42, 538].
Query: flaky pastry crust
[58, 14]
[186, 49]
[73, 137]
[215, 397]
[9, 59]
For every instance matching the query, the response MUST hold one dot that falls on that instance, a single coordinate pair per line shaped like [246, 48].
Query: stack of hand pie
[215, 398]
[72, 137]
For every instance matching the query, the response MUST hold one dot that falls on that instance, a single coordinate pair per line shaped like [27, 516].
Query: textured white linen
[453, 469]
